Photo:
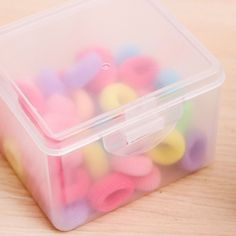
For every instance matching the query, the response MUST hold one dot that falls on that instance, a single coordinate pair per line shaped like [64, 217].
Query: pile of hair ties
[90, 179]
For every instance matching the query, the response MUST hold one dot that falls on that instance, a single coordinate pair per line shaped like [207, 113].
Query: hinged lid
[100, 67]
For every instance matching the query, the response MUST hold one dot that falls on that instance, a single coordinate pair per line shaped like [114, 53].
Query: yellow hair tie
[115, 95]
[12, 154]
[170, 150]
[96, 160]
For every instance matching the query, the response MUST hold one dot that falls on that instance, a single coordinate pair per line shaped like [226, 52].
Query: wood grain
[202, 204]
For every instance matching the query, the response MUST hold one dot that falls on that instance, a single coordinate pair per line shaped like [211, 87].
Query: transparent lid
[74, 74]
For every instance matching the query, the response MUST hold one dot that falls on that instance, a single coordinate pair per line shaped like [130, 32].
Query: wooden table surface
[201, 204]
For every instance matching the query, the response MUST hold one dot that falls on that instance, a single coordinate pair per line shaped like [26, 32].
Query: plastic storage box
[103, 102]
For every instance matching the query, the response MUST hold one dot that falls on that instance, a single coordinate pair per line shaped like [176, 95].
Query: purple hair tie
[72, 216]
[195, 155]
[49, 82]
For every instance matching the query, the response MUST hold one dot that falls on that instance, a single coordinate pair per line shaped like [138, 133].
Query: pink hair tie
[72, 160]
[55, 168]
[139, 72]
[111, 192]
[85, 105]
[76, 185]
[149, 182]
[83, 71]
[133, 165]
[58, 123]
[107, 72]
[34, 96]
[69, 181]
[61, 113]
[61, 104]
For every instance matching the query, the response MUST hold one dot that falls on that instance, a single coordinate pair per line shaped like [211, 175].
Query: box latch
[142, 134]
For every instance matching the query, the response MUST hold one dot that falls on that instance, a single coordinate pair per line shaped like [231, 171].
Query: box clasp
[142, 134]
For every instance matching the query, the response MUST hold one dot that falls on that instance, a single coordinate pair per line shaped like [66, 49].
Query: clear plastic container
[103, 102]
